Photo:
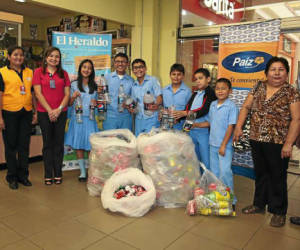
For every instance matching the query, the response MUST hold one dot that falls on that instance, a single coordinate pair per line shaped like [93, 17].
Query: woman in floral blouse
[275, 125]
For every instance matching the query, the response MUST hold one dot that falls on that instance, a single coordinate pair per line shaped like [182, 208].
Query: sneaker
[277, 220]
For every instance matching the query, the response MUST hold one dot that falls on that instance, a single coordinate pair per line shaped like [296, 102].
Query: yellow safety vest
[12, 99]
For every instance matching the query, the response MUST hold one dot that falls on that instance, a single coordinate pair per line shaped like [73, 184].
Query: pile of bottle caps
[129, 190]
[217, 201]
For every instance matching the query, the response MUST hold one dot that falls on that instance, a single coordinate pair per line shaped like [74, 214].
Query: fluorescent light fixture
[210, 23]
[183, 12]
[11, 28]
[21, 1]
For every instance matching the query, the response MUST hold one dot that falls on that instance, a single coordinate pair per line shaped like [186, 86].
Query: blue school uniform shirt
[197, 103]
[85, 97]
[114, 82]
[151, 84]
[220, 118]
[179, 99]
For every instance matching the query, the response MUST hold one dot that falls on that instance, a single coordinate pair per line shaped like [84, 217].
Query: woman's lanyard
[52, 81]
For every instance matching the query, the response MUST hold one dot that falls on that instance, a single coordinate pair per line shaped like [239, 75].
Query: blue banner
[76, 47]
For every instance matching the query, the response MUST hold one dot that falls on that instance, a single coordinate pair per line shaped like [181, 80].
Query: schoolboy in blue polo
[116, 119]
[143, 84]
[199, 103]
[222, 118]
[176, 94]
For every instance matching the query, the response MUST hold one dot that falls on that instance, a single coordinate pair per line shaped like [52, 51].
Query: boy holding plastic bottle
[198, 105]
[118, 81]
[176, 95]
[221, 119]
[146, 92]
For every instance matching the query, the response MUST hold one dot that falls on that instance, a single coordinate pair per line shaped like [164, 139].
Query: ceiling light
[210, 23]
[21, 1]
[11, 28]
[183, 12]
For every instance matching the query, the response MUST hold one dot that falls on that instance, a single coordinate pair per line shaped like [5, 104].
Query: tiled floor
[66, 217]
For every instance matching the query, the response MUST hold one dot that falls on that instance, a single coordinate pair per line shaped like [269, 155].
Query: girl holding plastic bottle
[82, 121]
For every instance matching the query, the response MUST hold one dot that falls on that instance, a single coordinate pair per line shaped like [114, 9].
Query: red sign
[198, 8]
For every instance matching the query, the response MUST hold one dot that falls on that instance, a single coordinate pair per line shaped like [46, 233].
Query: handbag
[244, 142]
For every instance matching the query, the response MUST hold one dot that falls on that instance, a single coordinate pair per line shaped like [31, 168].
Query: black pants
[53, 143]
[16, 138]
[271, 177]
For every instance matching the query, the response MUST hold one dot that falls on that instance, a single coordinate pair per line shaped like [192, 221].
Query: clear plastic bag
[170, 159]
[212, 197]
[112, 150]
[133, 206]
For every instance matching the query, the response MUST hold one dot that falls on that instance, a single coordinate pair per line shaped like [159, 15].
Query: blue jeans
[221, 165]
[200, 140]
[118, 122]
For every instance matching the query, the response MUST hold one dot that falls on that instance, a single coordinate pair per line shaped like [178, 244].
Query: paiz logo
[247, 61]
[224, 7]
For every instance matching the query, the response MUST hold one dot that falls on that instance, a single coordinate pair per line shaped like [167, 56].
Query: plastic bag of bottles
[170, 159]
[135, 205]
[212, 197]
[112, 150]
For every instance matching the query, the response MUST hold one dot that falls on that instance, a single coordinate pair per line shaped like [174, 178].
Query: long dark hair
[91, 84]
[47, 53]
[10, 51]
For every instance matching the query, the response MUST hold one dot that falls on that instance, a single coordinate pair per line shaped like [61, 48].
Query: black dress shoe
[26, 182]
[82, 179]
[13, 185]
[295, 220]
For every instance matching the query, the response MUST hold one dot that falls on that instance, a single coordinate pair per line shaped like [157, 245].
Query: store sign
[246, 61]
[222, 7]
[78, 41]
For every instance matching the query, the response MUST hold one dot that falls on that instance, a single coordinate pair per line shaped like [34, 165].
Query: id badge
[52, 84]
[22, 90]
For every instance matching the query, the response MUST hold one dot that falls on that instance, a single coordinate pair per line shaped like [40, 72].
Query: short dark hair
[138, 60]
[275, 59]
[226, 81]
[177, 67]
[10, 50]
[121, 55]
[204, 71]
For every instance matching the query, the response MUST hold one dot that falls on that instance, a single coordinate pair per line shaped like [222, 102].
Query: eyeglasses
[138, 67]
[120, 62]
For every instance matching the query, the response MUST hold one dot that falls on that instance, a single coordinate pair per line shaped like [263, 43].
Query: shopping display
[130, 192]
[112, 150]
[170, 159]
[212, 197]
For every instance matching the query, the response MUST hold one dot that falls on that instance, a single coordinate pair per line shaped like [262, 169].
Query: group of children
[215, 113]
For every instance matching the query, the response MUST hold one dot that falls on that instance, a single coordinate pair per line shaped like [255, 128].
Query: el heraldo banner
[245, 50]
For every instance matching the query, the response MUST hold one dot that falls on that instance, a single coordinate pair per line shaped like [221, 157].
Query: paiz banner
[244, 51]
[76, 47]
[243, 54]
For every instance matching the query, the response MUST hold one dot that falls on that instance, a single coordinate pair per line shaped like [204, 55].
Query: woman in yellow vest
[16, 116]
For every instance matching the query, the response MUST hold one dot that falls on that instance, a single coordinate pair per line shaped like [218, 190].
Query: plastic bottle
[104, 88]
[92, 112]
[101, 107]
[130, 103]
[189, 121]
[121, 98]
[164, 119]
[148, 100]
[171, 119]
[78, 109]
[223, 212]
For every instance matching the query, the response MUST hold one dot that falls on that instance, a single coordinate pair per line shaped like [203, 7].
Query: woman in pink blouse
[52, 89]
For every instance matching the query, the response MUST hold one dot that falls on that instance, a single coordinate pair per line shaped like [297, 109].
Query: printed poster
[76, 47]
[243, 54]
